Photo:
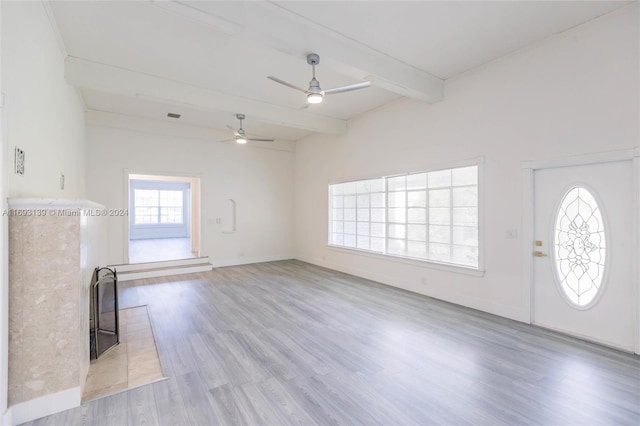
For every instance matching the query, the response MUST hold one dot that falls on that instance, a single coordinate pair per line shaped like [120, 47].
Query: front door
[583, 265]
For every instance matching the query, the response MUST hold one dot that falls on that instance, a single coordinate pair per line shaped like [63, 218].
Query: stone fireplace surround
[54, 246]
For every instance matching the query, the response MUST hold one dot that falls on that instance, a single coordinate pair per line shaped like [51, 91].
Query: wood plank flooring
[289, 343]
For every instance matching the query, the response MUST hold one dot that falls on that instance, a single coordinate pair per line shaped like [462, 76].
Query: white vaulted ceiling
[209, 60]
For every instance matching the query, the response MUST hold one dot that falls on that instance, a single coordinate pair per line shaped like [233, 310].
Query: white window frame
[161, 229]
[429, 263]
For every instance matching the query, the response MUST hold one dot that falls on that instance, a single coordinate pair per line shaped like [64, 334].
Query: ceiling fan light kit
[314, 93]
[314, 98]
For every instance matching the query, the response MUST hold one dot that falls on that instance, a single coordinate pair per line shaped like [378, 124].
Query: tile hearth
[132, 363]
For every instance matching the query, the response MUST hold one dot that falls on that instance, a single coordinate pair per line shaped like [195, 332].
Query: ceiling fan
[314, 92]
[241, 136]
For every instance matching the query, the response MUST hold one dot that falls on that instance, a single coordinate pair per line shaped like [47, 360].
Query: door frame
[196, 204]
[528, 205]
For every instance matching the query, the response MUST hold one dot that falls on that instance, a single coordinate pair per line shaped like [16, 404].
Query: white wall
[4, 261]
[572, 94]
[260, 180]
[45, 116]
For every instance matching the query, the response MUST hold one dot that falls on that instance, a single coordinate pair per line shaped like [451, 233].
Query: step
[129, 272]
[128, 267]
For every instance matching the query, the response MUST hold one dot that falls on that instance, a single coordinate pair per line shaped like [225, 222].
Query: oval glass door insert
[580, 247]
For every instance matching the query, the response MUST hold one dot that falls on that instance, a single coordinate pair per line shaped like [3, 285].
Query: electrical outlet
[19, 161]
[61, 181]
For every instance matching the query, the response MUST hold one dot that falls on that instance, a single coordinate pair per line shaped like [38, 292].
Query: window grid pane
[427, 216]
[357, 212]
[154, 206]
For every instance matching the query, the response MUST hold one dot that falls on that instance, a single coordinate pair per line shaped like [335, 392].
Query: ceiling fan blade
[234, 131]
[277, 80]
[260, 140]
[349, 88]
[226, 141]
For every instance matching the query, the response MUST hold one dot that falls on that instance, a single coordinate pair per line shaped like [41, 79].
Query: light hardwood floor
[290, 343]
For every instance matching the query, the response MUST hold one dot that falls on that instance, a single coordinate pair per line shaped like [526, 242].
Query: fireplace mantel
[54, 245]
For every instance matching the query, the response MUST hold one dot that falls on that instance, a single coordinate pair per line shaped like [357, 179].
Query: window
[427, 216]
[158, 206]
[580, 246]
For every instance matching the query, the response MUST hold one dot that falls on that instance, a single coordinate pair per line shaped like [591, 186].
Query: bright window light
[431, 216]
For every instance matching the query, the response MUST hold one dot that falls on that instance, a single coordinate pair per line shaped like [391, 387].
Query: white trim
[428, 264]
[125, 223]
[218, 23]
[527, 241]
[5, 415]
[7, 418]
[130, 276]
[130, 267]
[505, 311]
[480, 165]
[54, 27]
[528, 203]
[480, 185]
[636, 243]
[219, 263]
[169, 131]
[155, 173]
[162, 173]
[52, 203]
[580, 160]
[476, 161]
[588, 339]
[45, 405]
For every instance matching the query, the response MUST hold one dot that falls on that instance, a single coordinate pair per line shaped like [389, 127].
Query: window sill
[429, 264]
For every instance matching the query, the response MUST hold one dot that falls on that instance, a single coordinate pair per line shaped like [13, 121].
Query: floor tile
[132, 363]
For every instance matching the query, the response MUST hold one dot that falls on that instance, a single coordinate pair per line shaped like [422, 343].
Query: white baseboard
[218, 263]
[5, 420]
[43, 406]
[509, 312]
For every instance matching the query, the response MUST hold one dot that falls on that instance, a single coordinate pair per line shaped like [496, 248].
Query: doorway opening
[164, 218]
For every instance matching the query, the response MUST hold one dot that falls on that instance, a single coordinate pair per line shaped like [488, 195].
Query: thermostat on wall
[19, 161]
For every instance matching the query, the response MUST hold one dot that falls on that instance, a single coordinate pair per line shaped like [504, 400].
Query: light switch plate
[19, 161]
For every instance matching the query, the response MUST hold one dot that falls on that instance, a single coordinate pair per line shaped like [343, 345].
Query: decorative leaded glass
[579, 246]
